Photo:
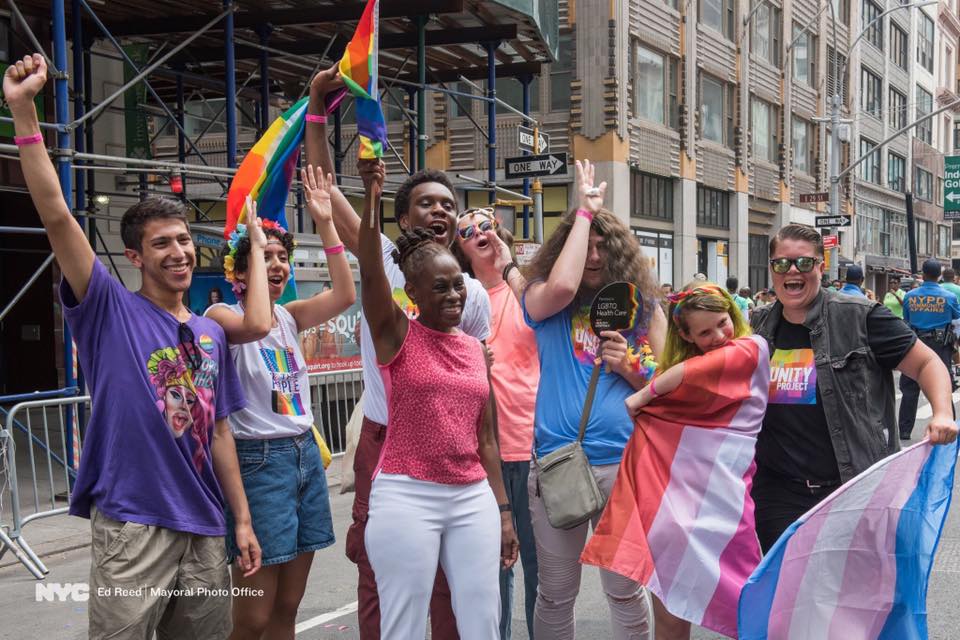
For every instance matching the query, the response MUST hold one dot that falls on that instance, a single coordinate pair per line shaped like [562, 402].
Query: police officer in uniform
[929, 310]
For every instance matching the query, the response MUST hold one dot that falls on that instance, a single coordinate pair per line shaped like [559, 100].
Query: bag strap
[588, 403]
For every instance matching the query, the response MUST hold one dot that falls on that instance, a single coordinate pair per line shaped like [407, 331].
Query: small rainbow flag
[358, 69]
[267, 170]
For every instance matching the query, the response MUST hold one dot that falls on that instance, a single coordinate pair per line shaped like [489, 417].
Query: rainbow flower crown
[677, 299]
[233, 244]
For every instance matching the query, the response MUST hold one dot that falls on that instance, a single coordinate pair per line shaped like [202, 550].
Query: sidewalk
[62, 533]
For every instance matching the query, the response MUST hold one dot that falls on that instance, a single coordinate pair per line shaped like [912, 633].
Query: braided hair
[414, 248]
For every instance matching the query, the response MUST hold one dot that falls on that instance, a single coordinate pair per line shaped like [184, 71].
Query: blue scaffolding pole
[525, 81]
[230, 77]
[79, 199]
[492, 118]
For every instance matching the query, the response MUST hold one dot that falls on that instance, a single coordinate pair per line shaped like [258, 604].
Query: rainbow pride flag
[680, 516]
[856, 566]
[268, 170]
[358, 69]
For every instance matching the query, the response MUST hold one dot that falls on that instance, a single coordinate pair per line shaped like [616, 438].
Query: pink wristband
[653, 389]
[583, 213]
[22, 141]
[332, 251]
[316, 118]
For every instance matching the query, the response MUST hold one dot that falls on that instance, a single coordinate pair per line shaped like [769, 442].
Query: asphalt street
[329, 607]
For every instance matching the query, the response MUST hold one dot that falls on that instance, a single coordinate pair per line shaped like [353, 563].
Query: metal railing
[35, 478]
[334, 396]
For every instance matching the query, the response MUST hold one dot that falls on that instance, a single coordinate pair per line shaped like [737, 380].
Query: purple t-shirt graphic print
[155, 399]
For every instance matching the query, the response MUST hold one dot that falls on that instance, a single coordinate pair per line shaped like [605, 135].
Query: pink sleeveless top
[437, 391]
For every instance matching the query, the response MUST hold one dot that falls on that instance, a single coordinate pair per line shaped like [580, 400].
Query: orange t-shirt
[516, 373]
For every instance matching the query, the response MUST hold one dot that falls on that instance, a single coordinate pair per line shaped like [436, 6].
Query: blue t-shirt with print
[146, 450]
[568, 347]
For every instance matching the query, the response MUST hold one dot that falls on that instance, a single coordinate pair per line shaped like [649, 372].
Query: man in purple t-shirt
[158, 457]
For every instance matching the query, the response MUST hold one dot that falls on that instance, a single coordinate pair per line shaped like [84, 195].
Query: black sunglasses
[804, 264]
[188, 346]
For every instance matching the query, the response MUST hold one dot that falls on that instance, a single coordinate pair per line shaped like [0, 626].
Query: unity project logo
[62, 592]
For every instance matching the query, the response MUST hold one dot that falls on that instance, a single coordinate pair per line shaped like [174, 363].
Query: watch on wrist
[508, 268]
[504, 508]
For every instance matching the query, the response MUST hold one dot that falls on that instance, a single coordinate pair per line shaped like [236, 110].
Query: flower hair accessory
[677, 299]
[233, 245]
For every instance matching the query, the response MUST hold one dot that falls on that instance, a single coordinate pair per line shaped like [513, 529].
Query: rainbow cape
[856, 566]
[358, 69]
[680, 517]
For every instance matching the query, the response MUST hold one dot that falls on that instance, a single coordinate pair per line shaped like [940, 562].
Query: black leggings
[779, 502]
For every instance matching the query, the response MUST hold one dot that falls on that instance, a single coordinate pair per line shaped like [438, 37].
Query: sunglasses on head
[189, 347]
[804, 264]
[483, 226]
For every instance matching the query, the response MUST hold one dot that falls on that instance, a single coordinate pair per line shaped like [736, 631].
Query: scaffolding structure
[198, 46]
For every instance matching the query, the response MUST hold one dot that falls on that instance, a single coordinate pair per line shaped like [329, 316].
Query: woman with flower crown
[280, 461]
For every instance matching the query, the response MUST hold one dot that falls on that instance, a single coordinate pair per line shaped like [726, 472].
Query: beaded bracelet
[22, 141]
[316, 118]
[332, 251]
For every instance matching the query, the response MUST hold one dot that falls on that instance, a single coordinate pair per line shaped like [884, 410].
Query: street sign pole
[537, 192]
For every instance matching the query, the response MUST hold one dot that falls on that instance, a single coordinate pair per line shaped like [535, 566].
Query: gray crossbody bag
[565, 481]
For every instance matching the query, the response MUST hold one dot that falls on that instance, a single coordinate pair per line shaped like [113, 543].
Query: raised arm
[21, 84]
[544, 299]
[257, 316]
[345, 219]
[388, 324]
[320, 308]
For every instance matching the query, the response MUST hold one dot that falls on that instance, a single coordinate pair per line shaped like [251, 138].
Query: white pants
[411, 525]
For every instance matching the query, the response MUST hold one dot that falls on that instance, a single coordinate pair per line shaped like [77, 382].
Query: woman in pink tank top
[437, 495]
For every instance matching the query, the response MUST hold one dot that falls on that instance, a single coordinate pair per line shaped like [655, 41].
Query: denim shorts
[286, 488]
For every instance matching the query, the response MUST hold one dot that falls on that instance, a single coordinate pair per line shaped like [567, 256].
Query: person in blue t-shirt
[854, 282]
[930, 311]
[158, 461]
[590, 249]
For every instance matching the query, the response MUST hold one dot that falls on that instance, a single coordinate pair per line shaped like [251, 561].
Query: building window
[870, 167]
[925, 42]
[943, 241]
[713, 208]
[718, 15]
[923, 185]
[654, 86]
[758, 262]
[924, 106]
[835, 62]
[561, 74]
[923, 237]
[804, 56]
[652, 196]
[897, 111]
[802, 158]
[874, 35]
[765, 33]
[460, 105]
[871, 87]
[764, 122]
[898, 46]
[716, 110]
[510, 90]
[939, 191]
[896, 166]
[956, 135]
[842, 10]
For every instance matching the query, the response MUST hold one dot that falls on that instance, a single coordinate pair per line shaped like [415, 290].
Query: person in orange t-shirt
[515, 374]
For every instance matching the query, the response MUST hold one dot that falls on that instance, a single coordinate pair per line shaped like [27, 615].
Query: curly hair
[705, 296]
[414, 248]
[401, 201]
[625, 262]
[243, 247]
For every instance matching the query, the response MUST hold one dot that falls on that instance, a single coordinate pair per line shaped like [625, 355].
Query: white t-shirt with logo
[475, 321]
[273, 374]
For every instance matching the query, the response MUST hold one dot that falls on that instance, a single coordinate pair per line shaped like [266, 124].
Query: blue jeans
[515, 476]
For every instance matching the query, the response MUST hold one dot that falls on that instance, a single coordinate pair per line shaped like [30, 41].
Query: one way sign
[550, 164]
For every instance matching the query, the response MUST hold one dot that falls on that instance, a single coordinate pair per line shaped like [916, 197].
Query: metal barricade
[334, 395]
[35, 466]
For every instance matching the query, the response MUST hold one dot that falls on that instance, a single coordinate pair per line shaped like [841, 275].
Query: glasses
[188, 346]
[804, 264]
[483, 226]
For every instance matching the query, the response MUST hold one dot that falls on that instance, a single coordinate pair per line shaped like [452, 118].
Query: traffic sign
[951, 185]
[811, 198]
[550, 164]
[829, 242]
[832, 221]
[525, 140]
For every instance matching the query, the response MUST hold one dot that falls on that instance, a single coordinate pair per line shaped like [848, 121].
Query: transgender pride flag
[680, 516]
[855, 567]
